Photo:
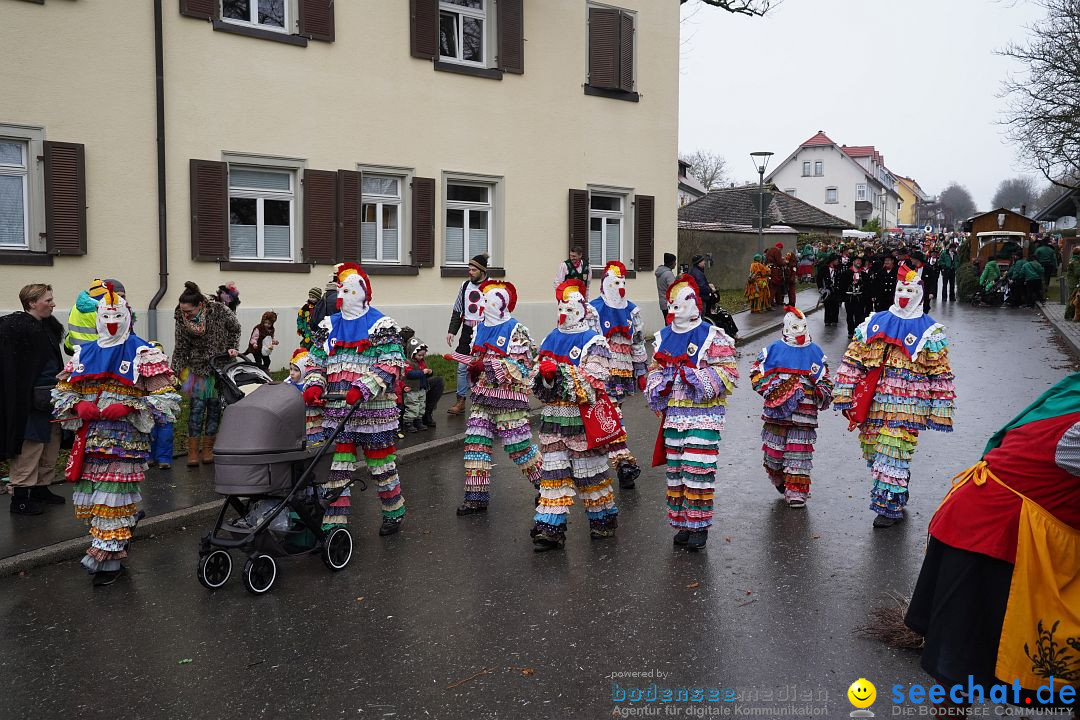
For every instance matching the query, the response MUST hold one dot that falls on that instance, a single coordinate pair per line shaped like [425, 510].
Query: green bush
[967, 281]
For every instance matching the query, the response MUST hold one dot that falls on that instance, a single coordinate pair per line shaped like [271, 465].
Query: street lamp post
[761, 161]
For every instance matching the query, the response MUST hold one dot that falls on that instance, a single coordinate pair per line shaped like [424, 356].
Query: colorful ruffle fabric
[116, 453]
[374, 369]
[913, 394]
[569, 467]
[693, 400]
[789, 416]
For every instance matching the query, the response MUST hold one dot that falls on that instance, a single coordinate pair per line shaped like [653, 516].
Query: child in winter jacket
[262, 341]
[416, 386]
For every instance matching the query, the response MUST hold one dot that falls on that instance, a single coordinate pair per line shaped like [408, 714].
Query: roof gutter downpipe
[163, 241]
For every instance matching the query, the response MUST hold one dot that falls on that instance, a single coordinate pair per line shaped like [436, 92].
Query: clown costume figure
[572, 374]
[894, 381]
[793, 377]
[111, 393]
[692, 374]
[300, 365]
[502, 359]
[361, 358]
[619, 321]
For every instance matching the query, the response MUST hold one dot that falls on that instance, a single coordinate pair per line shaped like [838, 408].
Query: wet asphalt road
[458, 618]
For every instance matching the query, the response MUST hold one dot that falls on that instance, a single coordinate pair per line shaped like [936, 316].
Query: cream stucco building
[409, 134]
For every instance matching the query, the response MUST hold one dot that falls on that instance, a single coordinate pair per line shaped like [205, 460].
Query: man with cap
[854, 286]
[828, 282]
[705, 288]
[949, 263]
[665, 275]
[467, 314]
[82, 320]
[774, 258]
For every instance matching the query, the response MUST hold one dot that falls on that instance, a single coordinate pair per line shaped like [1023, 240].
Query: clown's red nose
[340, 302]
[622, 292]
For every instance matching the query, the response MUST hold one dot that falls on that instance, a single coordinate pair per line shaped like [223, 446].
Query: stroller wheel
[260, 571]
[338, 549]
[214, 569]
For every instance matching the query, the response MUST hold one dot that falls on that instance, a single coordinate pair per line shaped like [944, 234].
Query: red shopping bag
[602, 423]
[863, 397]
[74, 466]
[659, 453]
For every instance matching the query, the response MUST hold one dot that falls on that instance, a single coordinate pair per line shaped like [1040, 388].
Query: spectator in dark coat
[697, 271]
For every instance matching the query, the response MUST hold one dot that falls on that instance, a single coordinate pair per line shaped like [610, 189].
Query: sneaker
[107, 577]
[601, 533]
[419, 424]
[681, 537]
[467, 508]
[796, 503]
[390, 526]
[43, 494]
[543, 544]
[410, 428]
[697, 539]
[165, 466]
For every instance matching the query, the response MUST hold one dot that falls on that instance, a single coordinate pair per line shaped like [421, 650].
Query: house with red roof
[849, 181]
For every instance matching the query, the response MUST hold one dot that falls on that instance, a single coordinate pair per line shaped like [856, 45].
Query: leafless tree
[955, 205]
[1015, 192]
[707, 167]
[754, 8]
[1043, 100]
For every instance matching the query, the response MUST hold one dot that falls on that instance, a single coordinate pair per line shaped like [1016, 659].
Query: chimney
[1023, 209]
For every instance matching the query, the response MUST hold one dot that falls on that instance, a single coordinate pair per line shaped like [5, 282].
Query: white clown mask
[683, 308]
[352, 297]
[113, 320]
[572, 309]
[613, 287]
[796, 329]
[908, 300]
[496, 305]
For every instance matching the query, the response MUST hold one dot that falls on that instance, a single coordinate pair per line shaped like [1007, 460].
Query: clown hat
[347, 270]
[681, 282]
[508, 287]
[568, 287]
[620, 269]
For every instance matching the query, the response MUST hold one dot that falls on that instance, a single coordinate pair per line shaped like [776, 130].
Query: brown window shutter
[202, 9]
[209, 210]
[626, 52]
[511, 18]
[604, 47]
[424, 26]
[644, 227]
[317, 19]
[65, 198]
[348, 220]
[423, 222]
[579, 221]
[320, 216]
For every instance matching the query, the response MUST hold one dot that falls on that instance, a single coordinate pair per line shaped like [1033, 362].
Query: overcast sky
[918, 79]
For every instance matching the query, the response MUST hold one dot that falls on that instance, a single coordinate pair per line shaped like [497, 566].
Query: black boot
[543, 544]
[22, 504]
[697, 539]
[681, 537]
[428, 420]
[419, 424]
[471, 507]
[390, 525]
[41, 493]
[628, 472]
[107, 577]
[880, 521]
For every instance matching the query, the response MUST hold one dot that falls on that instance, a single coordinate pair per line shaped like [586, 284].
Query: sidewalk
[755, 325]
[171, 498]
[1069, 330]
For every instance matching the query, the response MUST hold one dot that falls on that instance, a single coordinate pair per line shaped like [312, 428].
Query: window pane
[455, 237]
[243, 211]
[605, 202]
[596, 242]
[276, 242]
[467, 193]
[611, 250]
[242, 241]
[236, 9]
[11, 153]
[478, 232]
[472, 39]
[369, 230]
[448, 35]
[258, 179]
[380, 185]
[478, 4]
[12, 228]
[272, 12]
[390, 232]
[276, 212]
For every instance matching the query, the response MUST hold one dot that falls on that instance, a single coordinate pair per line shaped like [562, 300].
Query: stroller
[996, 296]
[722, 319]
[270, 481]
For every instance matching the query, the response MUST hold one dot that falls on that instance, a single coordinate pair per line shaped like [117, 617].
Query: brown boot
[457, 408]
[193, 452]
[208, 449]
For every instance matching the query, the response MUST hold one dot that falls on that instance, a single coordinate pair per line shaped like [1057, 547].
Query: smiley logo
[862, 694]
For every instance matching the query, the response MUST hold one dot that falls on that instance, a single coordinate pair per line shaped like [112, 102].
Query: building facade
[852, 183]
[407, 135]
[912, 201]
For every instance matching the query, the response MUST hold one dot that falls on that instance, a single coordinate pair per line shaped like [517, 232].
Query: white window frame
[625, 220]
[404, 178]
[835, 196]
[860, 191]
[791, 192]
[296, 209]
[819, 168]
[495, 207]
[291, 17]
[806, 167]
[486, 16]
[32, 140]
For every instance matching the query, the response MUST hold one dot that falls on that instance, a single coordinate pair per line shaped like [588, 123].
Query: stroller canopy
[270, 419]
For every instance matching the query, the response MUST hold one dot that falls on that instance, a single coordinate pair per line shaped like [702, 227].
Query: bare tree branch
[753, 8]
[707, 167]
